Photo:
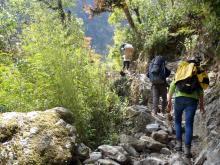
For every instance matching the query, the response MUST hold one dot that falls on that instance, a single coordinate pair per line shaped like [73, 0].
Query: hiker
[157, 73]
[188, 85]
[127, 51]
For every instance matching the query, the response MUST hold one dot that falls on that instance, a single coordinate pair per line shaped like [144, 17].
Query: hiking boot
[178, 146]
[187, 151]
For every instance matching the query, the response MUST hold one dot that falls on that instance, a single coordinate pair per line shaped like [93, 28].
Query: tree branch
[58, 8]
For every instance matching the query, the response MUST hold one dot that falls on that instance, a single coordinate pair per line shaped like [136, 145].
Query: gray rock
[130, 150]
[201, 158]
[139, 145]
[152, 127]
[106, 162]
[83, 151]
[155, 154]
[153, 161]
[34, 138]
[160, 136]
[140, 90]
[207, 127]
[114, 152]
[213, 157]
[152, 144]
[137, 118]
[139, 134]
[178, 159]
[135, 162]
[212, 77]
[63, 113]
[93, 157]
[165, 151]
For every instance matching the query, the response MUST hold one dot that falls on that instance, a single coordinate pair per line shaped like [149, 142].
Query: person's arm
[169, 96]
[167, 71]
[201, 103]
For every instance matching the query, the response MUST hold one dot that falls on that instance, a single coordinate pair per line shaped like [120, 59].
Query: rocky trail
[150, 140]
[49, 137]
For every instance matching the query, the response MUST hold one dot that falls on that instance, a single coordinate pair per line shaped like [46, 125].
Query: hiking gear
[203, 78]
[187, 151]
[189, 77]
[157, 91]
[195, 94]
[189, 105]
[128, 52]
[157, 72]
[178, 146]
[188, 85]
[185, 78]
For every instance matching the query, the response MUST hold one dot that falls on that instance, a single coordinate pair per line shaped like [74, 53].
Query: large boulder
[140, 90]
[38, 137]
[207, 128]
[136, 118]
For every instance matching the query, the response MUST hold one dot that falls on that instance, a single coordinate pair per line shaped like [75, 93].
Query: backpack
[157, 72]
[189, 77]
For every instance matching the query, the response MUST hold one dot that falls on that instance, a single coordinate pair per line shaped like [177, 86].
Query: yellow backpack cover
[203, 78]
[186, 69]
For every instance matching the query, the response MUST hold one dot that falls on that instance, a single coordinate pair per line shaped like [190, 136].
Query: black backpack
[157, 72]
[190, 84]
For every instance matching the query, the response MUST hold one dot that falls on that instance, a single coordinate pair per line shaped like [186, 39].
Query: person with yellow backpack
[188, 85]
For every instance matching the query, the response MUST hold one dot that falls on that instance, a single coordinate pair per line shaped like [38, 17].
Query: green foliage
[162, 21]
[53, 69]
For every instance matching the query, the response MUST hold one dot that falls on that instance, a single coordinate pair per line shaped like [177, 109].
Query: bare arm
[201, 104]
[169, 103]
[169, 97]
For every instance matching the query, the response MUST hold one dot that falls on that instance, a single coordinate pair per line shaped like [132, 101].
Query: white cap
[128, 46]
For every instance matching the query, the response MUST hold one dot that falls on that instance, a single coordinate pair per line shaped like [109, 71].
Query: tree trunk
[61, 11]
[58, 8]
[136, 10]
[129, 18]
[172, 1]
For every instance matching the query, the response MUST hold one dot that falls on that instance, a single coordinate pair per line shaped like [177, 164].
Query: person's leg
[128, 64]
[178, 111]
[164, 97]
[155, 96]
[124, 64]
[190, 111]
